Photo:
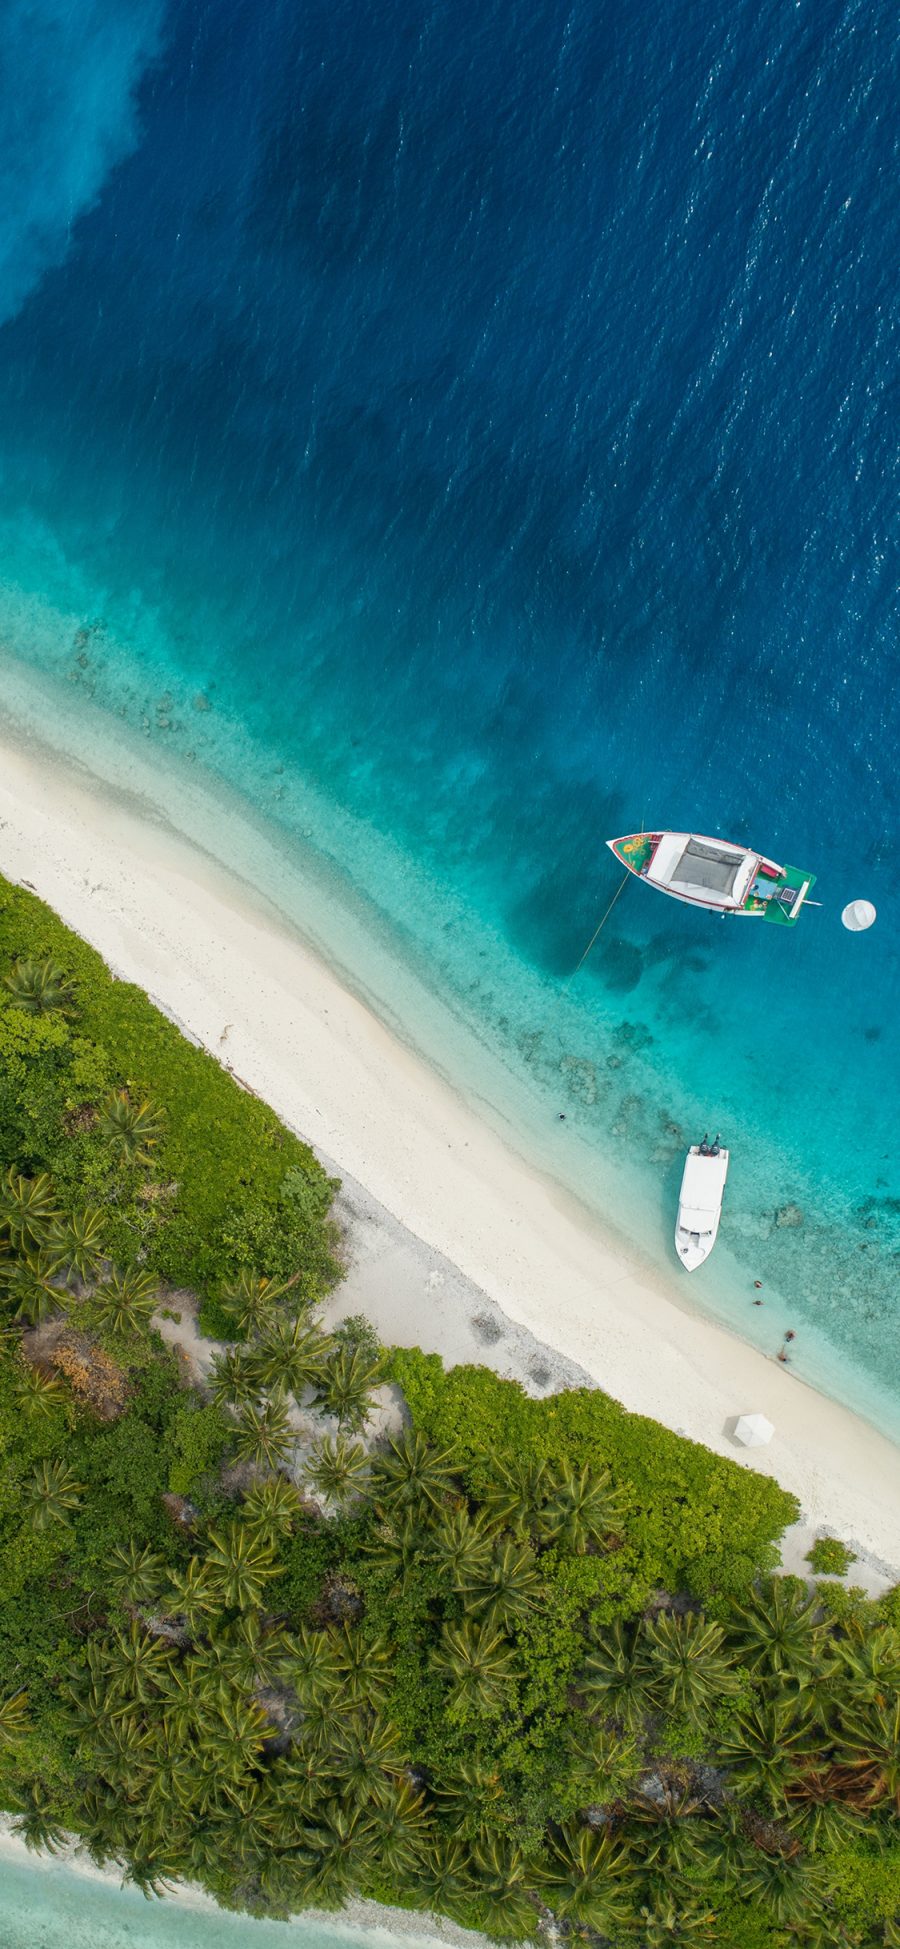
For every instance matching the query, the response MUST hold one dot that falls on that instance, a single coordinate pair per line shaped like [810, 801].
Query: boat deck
[791, 880]
[637, 850]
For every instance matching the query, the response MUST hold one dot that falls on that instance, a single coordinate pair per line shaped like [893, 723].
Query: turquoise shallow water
[52, 1907]
[460, 439]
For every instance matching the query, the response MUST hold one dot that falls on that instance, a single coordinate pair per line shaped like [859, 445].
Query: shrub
[695, 1520]
[829, 1557]
[887, 1607]
[228, 1185]
[357, 1331]
[865, 1883]
[306, 1560]
[199, 1434]
[844, 1604]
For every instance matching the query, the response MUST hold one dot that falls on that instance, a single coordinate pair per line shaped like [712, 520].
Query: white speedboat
[700, 1202]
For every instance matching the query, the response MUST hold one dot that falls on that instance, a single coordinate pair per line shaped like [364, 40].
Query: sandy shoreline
[166, 917]
[357, 1917]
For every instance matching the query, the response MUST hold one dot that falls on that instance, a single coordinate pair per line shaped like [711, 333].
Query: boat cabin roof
[703, 869]
[701, 1188]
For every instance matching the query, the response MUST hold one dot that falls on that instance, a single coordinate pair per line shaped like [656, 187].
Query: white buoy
[858, 915]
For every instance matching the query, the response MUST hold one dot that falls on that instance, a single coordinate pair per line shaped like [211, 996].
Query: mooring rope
[597, 930]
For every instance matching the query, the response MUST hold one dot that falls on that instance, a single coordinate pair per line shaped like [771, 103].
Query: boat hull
[700, 1205]
[775, 893]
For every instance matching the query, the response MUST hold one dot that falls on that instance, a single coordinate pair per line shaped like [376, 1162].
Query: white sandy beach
[373, 1923]
[490, 1227]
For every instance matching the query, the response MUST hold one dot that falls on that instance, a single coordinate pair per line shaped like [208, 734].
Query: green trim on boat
[792, 880]
[636, 851]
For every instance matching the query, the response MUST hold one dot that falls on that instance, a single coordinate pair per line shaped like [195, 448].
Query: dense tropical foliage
[507, 1659]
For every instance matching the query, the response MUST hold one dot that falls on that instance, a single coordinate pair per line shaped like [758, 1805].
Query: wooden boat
[700, 1202]
[713, 873]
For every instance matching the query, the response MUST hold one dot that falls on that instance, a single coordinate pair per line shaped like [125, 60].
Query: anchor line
[597, 930]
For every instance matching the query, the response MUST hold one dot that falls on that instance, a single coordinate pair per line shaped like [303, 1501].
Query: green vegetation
[829, 1557]
[147, 1149]
[517, 1657]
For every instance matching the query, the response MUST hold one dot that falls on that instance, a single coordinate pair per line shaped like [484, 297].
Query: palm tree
[338, 1468]
[51, 1493]
[291, 1354]
[871, 1660]
[40, 1394]
[37, 1826]
[247, 1651]
[412, 1472]
[821, 1823]
[232, 1735]
[766, 1747]
[365, 1665]
[41, 987]
[479, 1665]
[345, 1385]
[688, 1671]
[76, 1243]
[581, 1877]
[367, 1758]
[30, 1288]
[132, 1130]
[311, 1664]
[396, 1545]
[718, 1847]
[503, 1876]
[249, 1299]
[600, 1765]
[187, 1692]
[346, 1850]
[399, 1828]
[516, 1492]
[461, 1546]
[254, 1828]
[134, 1664]
[325, 1717]
[194, 1594]
[669, 1821]
[444, 1876]
[870, 1746]
[27, 1209]
[233, 1379]
[614, 1675]
[509, 1587]
[583, 1507]
[124, 1301]
[288, 1882]
[671, 1919]
[272, 1507]
[777, 1629]
[154, 1871]
[13, 1716]
[467, 1794]
[241, 1563]
[264, 1435]
[136, 1574]
[791, 1890]
[119, 1755]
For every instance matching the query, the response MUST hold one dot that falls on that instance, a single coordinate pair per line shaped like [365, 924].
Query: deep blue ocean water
[465, 432]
